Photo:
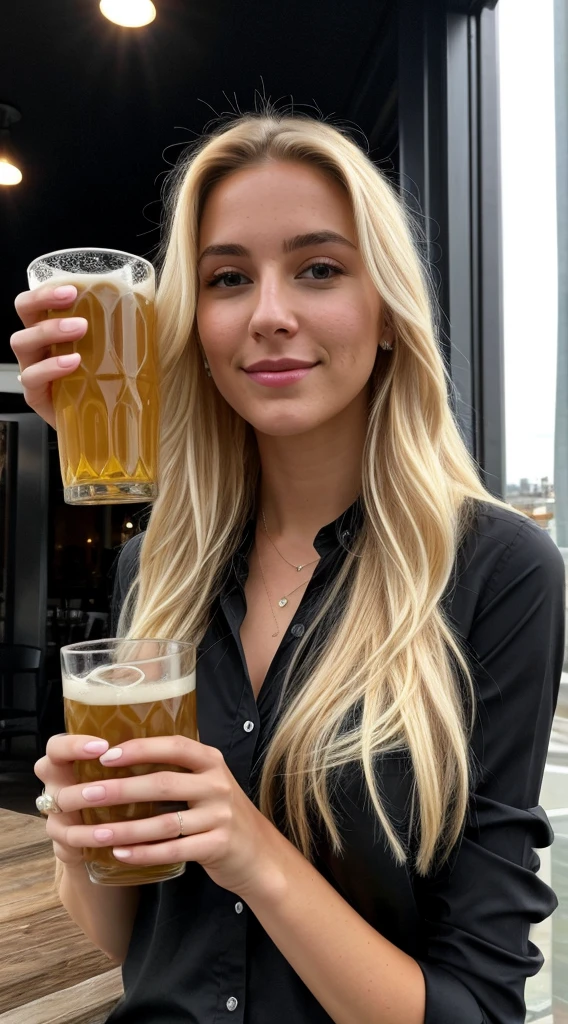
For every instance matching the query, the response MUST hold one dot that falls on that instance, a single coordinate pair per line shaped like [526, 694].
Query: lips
[278, 365]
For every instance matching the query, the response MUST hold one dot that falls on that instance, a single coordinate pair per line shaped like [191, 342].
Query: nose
[273, 313]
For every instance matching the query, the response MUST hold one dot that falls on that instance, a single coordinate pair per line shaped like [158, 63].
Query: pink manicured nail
[103, 833]
[122, 854]
[111, 755]
[65, 291]
[95, 747]
[66, 361]
[71, 323]
[94, 792]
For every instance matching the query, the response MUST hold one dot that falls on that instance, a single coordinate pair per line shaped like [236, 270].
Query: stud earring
[386, 345]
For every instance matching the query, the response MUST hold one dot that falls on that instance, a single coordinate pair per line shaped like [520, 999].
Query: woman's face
[287, 314]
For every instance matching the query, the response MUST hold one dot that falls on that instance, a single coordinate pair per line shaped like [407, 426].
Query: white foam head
[97, 688]
[119, 279]
[89, 266]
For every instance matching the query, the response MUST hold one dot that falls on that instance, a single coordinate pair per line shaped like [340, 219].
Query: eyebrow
[289, 244]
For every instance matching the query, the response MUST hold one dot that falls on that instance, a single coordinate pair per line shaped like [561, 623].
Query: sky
[530, 270]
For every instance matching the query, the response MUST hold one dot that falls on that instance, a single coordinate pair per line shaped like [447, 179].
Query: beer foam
[120, 279]
[94, 692]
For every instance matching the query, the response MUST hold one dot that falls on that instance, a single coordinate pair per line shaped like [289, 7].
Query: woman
[381, 640]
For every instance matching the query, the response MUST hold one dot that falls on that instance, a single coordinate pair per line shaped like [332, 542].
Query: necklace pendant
[283, 602]
[299, 568]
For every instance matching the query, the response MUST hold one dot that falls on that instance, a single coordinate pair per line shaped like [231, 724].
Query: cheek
[218, 326]
[352, 338]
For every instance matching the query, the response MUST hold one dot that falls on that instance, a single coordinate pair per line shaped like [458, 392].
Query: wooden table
[49, 970]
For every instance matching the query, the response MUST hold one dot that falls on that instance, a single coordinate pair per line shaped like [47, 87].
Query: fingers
[66, 747]
[158, 788]
[178, 750]
[201, 847]
[144, 830]
[34, 344]
[56, 770]
[33, 305]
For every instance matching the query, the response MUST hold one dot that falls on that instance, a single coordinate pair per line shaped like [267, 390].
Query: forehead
[275, 198]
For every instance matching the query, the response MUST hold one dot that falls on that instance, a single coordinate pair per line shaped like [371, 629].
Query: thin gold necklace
[298, 568]
[283, 600]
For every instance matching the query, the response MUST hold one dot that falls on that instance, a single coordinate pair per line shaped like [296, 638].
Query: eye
[323, 271]
[230, 279]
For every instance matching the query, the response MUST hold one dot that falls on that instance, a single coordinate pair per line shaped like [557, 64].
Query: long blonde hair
[390, 674]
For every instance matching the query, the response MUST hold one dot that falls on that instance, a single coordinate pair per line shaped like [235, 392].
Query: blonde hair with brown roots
[391, 668]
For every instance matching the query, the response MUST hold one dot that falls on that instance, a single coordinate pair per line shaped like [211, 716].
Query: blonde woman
[381, 640]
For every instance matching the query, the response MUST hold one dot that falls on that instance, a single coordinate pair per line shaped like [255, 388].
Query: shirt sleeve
[478, 909]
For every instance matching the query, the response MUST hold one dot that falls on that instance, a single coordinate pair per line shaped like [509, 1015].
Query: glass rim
[94, 647]
[89, 248]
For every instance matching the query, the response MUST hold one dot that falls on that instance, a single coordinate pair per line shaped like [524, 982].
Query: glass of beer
[107, 410]
[120, 690]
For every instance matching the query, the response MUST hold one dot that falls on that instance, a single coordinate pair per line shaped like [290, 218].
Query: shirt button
[239, 907]
[232, 1003]
[298, 629]
[248, 726]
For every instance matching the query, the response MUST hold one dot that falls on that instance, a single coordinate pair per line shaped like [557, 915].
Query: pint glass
[120, 690]
[107, 410]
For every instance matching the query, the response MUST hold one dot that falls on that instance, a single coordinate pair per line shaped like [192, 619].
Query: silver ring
[180, 819]
[47, 804]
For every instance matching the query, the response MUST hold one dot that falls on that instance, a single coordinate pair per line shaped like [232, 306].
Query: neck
[308, 480]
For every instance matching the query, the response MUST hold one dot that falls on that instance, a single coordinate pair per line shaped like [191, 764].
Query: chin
[286, 426]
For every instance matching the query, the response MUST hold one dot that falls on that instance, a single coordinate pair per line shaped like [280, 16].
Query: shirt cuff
[447, 999]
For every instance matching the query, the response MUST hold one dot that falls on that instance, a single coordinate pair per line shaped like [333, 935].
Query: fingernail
[122, 854]
[66, 291]
[19, 379]
[94, 792]
[71, 323]
[95, 746]
[70, 360]
[103, 833]
[111, 755]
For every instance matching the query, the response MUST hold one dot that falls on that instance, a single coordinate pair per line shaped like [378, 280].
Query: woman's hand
[223, 830]
[32, 346]
[57, 774]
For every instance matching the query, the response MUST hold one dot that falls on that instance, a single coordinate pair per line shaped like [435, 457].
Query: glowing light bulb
[130, 13]
[9, 174]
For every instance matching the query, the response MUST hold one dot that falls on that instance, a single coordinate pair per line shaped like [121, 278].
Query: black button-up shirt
[199, 955]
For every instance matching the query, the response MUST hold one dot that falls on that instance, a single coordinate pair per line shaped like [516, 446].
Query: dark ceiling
[107, 110]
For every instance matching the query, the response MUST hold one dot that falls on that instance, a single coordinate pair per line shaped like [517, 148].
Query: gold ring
[180, 819]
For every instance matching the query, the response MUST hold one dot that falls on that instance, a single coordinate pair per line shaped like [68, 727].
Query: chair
[17, 660]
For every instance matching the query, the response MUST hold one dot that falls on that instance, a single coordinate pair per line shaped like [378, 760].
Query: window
[533, 55]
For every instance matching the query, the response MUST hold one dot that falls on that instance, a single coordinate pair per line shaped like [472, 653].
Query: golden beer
[119, 704]
[107, 411]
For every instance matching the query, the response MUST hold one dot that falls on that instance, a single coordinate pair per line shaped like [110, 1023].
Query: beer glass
[121, 690]
[107, 410]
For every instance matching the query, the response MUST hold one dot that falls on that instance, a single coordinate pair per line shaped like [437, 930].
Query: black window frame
[449, 138]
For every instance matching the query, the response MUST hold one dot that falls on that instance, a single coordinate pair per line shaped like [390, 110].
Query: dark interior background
[107, 110]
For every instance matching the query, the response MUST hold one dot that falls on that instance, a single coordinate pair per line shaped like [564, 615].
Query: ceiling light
[10, 173]
[130, 13]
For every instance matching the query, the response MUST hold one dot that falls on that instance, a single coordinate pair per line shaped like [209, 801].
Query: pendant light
[129, 13]
[10, 173]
